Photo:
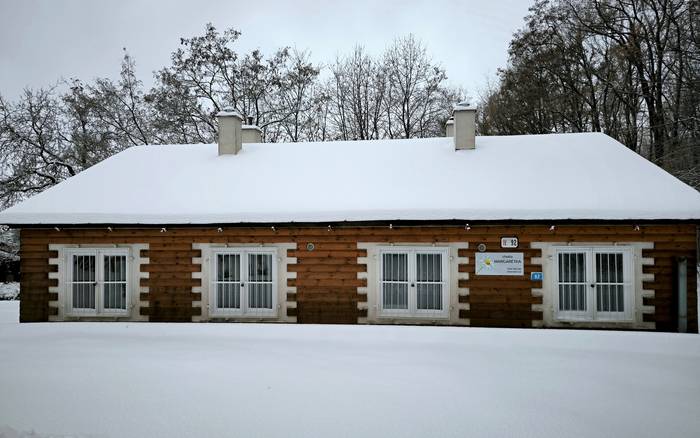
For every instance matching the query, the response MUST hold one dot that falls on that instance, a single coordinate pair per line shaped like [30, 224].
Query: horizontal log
[167, 253]
[39, 255]
[181, 301]
[149, 282]
[164, 275]
[327, 261]
[668, 253]
[328, 246]
[34, 262]
[510, 309]
[479, 300]
[159, 246]
[327, 283]
[505, 291]
[327, 268]
[327, 254]
[157, 290]
[181, 267]
[40, 247]
[338, 275]
[515, 282]
[326, 299]
[527, 252]
[324, 289]
[38, 269]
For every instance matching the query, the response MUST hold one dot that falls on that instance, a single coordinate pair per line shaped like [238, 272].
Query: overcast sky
[44, 41]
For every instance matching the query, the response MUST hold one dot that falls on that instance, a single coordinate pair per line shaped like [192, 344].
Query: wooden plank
[174, 267]
[327, 254]
[355, 282]
[327, 268]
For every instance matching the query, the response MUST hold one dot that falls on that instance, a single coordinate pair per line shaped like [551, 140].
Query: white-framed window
[413, 282]
[97, 281]
[594, 283]
[243, 281]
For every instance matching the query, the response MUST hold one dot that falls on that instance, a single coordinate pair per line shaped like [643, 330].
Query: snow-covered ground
[9, 314]
[9, 291]
[249, 380]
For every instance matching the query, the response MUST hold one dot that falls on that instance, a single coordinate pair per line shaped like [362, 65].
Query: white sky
[42, 41]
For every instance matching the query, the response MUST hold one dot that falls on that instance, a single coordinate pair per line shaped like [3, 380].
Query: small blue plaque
[536, 276]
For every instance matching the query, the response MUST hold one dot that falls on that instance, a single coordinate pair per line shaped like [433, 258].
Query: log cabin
[557, 230]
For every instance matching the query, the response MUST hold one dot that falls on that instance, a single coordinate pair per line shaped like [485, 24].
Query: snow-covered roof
[533, 177]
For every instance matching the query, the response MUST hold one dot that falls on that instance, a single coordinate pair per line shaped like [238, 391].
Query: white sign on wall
[500, 263]
[509, 242]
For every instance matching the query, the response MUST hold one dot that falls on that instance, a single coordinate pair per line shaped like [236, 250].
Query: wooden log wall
[327, 280]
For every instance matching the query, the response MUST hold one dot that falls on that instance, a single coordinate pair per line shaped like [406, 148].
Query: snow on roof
[533, 177]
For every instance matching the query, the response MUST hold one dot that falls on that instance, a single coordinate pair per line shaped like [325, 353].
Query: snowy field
[248, 380]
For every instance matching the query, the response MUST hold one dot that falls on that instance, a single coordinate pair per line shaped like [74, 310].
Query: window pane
[83, 296]
[395, 267]
[83, 268]
[228, 267]
[259, 267]
[429, 267]
[114, 268]
[429, 296]
[114, 288]
[394, 281]
[83, 287]
[572, 282]
[260, 284]
[395, 296]
[115, 296]
[228, 277]
[260, 296]
[429, 281]
[228, 295]
[610, 282]
[580, 268]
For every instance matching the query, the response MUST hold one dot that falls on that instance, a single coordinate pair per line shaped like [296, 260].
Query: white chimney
[450, 127]
[464, 126]
[230, 132]
[251, 134]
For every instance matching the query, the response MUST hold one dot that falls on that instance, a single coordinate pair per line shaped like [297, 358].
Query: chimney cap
[254, 127]
[229, 112]
[464, 106]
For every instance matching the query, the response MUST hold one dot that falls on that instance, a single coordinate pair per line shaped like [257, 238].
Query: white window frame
[413, 311]
[591, 313]
[99, 254]
[244, 310]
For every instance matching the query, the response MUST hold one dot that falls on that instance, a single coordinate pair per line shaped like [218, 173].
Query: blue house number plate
[536, 276]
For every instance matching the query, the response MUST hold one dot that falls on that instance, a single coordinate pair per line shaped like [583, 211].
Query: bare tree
[625, 67]
[33, 153]
[359, 89]
[413, 88]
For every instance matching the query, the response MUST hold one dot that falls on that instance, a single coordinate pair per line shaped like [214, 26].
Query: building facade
[619, 276]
